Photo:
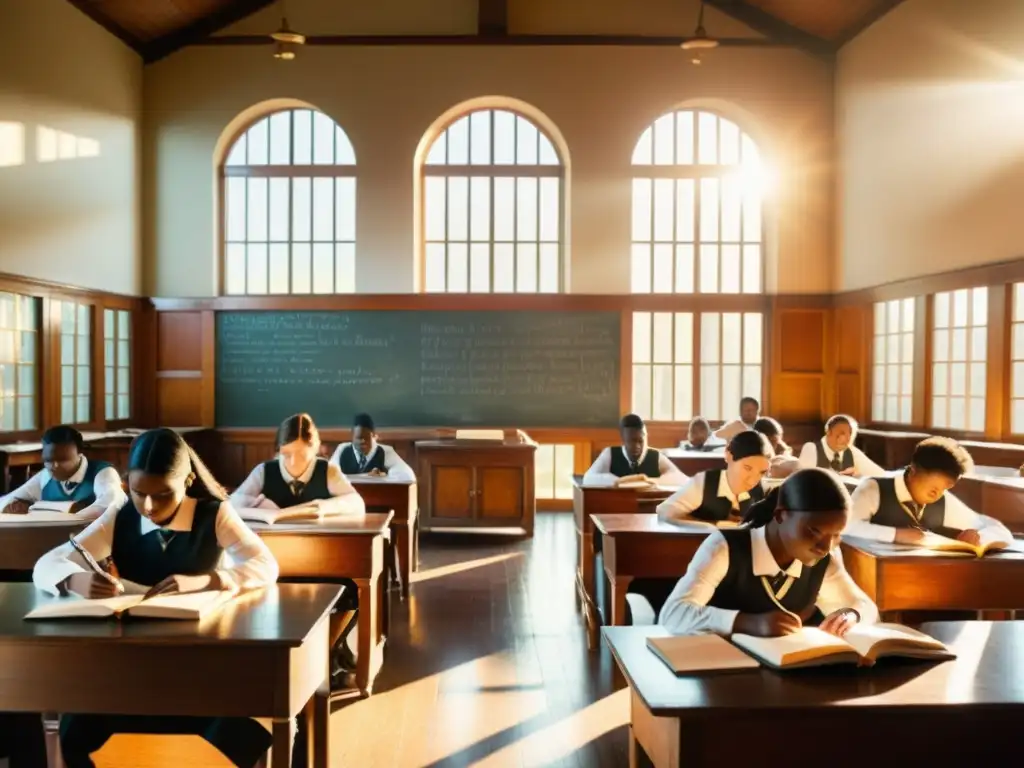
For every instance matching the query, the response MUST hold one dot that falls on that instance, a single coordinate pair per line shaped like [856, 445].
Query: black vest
[349, 461]
[742, 591]
[649, 466]
[824, 463]
[714, 507]
[890, 511]
[277, 490]
[142, 557]
[54, 489]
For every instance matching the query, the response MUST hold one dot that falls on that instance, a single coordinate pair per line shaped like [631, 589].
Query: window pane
[480, 137]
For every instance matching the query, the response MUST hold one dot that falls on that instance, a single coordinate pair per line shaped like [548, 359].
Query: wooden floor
[486, 665]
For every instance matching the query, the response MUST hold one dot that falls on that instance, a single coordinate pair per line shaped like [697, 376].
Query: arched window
[697, 182]
[289, 191]
[697, 186]
[492, 207]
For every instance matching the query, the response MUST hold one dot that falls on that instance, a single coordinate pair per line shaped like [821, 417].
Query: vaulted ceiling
[156, 28]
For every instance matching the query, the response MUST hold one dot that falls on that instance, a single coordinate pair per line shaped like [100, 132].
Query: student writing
[365, 456]
[750, 409]
[723, 494]
[837, 452]
[901, 506]
[699, 437]
[169, 537]
[299, 476]
[67, 475]
[781, 571]
[633, 457]
[783, 463]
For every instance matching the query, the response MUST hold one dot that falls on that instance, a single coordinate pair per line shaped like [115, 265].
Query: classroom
[510, 382]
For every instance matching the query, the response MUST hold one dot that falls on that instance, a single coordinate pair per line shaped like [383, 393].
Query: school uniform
[319, 482]
[382, 458]
[881, 505]
[734, 571]
[613, 463]
[95, 483]
[192, 543]
[707, 496]
[818, 454]
[22, 740]
[730, 429]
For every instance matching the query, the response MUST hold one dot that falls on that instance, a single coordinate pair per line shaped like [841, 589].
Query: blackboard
[406, 368]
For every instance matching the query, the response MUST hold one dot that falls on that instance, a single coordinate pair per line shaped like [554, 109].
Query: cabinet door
[451, 492]
[499, 492]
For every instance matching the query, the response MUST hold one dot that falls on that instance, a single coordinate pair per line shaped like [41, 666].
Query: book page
[193, 605]
[807, 645]
[42, 517]
[871, 640]
[699, 653]
[80, 607]
[271, 516]
[52, 506]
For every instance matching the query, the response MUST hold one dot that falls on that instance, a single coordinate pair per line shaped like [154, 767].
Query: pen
[91, 561]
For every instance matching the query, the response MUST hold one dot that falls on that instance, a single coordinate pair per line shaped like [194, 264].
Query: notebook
[700, 653]
[192, 606]
[863, 645]
[298, 513]
[939, 543]
[52, 506]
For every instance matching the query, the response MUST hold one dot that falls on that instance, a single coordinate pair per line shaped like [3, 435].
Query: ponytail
[760, 513]
[163, 452]
[299, 426]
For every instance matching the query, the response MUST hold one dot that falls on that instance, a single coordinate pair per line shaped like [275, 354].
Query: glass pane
[548, 155]
[958, 344]
[664, 141]
[642, 390]
[640, 272]
[732, 202]
[752, 269]
[684, 269]
[686, 138]
[302, 137]
[279, 268]
[730, 269]
[504, 138]
[979, 306]
[458, 268]
[908, 315]
[67, 349]
[940, 346]
[345, 268]
[237, 155]
[708, 210]
[458, 142]
[323, 209]
[684, 337]
[302, 210]
[709, 338]
[323, 139]
[549, 268]
[108, 379]
[642, 209]
[940, 379]
[434, 207]
[976, 416]
[83, 376]
[123, 384]
[1018, 380]
[480, 209]
[565, 457]
[710, 399]
[281, 138]
[67, 410]
[27, 380]
[663, 263]
[544, 471]
[664, 209]
[480, 137]
[880, 315]
[458, 208]
[526, 268]
[977, 382]
[907, 352]
[526, 142]
[663, 344]
[642, 337]
[752, 334]
[957, 379]
[960, 301]
[684, 392]
[234, 269]
[979, 343]
[82, 409]
[686, 208]
[345, 209]
[123, 409]
[1017, 426]
[732, 338]
[664, 394]
[302, 268]
[109, 410]
[1018, 302]
[1018, 341]
[504, 268]
[906, 380]
[526, 209]
[939, 412]
[729, 142]
[709, 269]
[479, 268]
[256, 268]
[234, 208]
[257, 213]
[707, 138]
[258, 138]
[434, 268]
[941, 310]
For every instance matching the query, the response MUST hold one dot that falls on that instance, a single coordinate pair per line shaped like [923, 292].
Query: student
[901, 506]
[93, 486]
[699, 437]
[634, 457]
[299, 475]
[750, 409]
[783, 463]
[781, 571]
[365, 456]
[22, 740]
[837, 452]
[169, 537]
[723, 494]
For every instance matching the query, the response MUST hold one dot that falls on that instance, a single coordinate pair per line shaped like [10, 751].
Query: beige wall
[72, 220]
[600, 99]
[930, 131]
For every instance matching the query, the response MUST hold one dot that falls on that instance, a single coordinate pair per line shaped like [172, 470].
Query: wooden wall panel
[179, 401]
[852, 349]
[179, 341]
[802, 340]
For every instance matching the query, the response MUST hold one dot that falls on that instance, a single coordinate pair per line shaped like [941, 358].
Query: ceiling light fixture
[287, 39]
[700, 42]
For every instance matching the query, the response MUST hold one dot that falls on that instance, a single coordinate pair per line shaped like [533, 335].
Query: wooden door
[499, 493]
[451, 492]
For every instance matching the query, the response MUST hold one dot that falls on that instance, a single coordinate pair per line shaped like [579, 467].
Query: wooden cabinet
[476, 484]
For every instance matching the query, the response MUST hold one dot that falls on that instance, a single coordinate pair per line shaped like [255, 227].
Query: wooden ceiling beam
[883, 8]
[92, 11]
[492, 18]
[225, 16]
[478, 40]
[774, 28]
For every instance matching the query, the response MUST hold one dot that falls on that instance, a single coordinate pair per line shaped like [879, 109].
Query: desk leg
[369, 643]
[318, 728]
[403, 536]
[620, 585]
[587, 588]
[282, 743]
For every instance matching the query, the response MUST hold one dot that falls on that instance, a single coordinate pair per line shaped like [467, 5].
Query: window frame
[932, 329]
[92, 356]
[39, 396]
[920, 361]
[515, 171]
[310, 171]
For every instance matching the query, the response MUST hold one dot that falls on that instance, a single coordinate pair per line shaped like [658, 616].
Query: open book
[863, 645]
[192, 606]
[699, 653]
[298, 513]
[52, 506]
[636, 481]
[939, 543]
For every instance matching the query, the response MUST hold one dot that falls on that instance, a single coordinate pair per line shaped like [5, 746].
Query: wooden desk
[899, 579]
[349, 547]
[1001, 498]
[639, 547]
[401, 498]
[21, 544]
[476, 484]
[736, 719]
[891, 450]
[692, 462]
[263, 656]
[591, 500]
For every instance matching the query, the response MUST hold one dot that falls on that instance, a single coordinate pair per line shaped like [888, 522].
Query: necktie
[634, 467]
[362, 462]
[297, 487]
[837, 464]
[166, 537]
[777, 581]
